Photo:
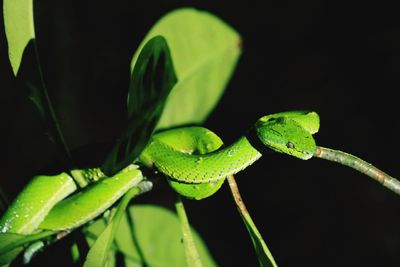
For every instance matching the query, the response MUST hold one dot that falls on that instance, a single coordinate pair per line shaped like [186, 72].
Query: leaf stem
[264, 255]
[192, 255]
[360, 165]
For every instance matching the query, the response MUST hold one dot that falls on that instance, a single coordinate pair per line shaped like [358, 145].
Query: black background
[341, 60]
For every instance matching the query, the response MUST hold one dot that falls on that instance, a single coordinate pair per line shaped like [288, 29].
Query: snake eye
[290, 145]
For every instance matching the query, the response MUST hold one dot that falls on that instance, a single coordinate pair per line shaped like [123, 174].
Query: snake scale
[193, 159]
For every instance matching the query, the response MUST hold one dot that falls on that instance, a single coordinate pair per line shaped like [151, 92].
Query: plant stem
[27, 239]
[360, 165]
[236, 195]
[264, 255]
[192, 255]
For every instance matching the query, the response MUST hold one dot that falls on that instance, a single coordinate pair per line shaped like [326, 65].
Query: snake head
[285, 135]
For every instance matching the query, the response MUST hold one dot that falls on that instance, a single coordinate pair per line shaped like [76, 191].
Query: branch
[360, 165]
[265, 257]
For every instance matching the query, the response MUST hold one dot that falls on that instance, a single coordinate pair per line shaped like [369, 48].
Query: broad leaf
[20, 32]
[156, 240]
[19, 27]
[204, 50]
[152, 80]
[191, 252]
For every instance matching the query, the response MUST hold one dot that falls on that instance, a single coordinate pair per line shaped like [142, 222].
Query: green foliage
[152, 79]
[264, 256]
[9, 248]
[192, 255]
[12, 244]
[178, 74]
[156, 240]
[19, 27]
[99, 251]
[204, 50]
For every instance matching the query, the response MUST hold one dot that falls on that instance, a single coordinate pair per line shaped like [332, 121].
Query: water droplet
[198, 160]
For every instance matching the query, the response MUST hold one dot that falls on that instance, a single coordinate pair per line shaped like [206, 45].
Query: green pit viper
[193, 159]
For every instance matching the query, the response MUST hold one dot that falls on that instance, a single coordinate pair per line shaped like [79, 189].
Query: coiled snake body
[192, 158]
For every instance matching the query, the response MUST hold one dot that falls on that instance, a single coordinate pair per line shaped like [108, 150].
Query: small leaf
[157, 239]
[97, 256]
[265, 257]
[204, 50]
[75, 254]
[152, 79]
[98, 253]
[19, 28]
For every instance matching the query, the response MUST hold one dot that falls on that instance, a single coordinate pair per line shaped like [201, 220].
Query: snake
[194, 160]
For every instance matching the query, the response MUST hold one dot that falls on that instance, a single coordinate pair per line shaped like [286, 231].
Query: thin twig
[360, 165]
[236, 195]
[264, 255]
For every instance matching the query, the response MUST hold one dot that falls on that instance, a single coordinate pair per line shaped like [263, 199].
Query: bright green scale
[191, 158]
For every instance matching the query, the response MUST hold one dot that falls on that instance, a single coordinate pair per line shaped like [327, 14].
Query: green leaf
[20, 32]
[204, 50]
[152, 80]
[98, 253]
[19, 28]
[12, 244]
[192, 255]
[265, 257]
[157, 239]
